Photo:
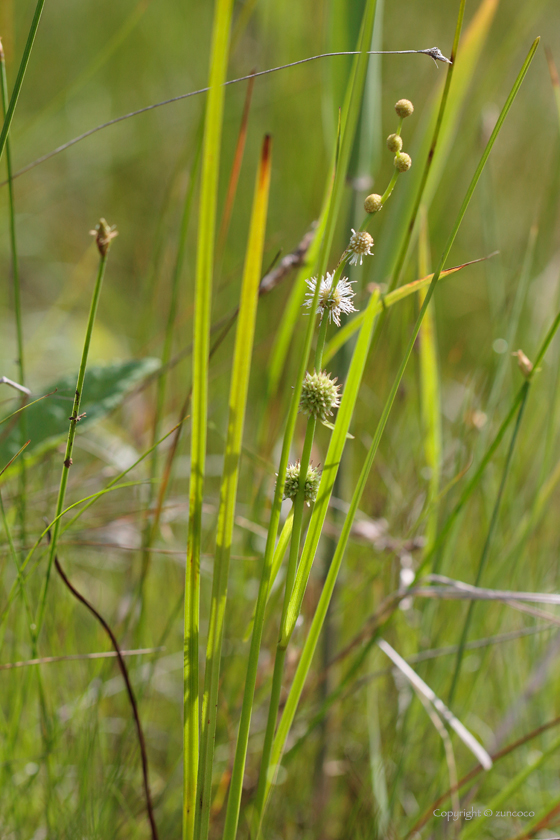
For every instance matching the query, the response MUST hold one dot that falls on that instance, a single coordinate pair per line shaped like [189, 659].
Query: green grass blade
[308, 555]
[17, 296]
[13, 458]
[345, 333]
[279, 553]
[486, 548]
[430, 396]
[228, 491]
[489, 454]
[20, 75]
[203, 298]
[13, 242]
[541, 821]
[505, 796]
[349, 122]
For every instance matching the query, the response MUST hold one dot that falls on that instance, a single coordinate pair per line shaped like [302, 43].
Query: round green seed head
[373, 203]
[319, 395]
[312, 482]
[403, 161]
[394, 143]
[404, 108]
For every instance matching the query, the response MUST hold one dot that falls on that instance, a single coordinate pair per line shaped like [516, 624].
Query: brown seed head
[104, 233]
[525, 365]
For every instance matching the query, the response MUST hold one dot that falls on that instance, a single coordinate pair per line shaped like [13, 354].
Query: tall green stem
[17, 296]
[274, 705]
[203, 304]
[104, 236]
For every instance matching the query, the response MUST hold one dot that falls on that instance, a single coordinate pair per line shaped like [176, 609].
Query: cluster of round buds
[319, 395]
[373, 203]
[403, 162]
[312, 481]
[360, 245]
[334, 300]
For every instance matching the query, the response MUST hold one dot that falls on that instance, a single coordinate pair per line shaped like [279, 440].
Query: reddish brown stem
[130, 692]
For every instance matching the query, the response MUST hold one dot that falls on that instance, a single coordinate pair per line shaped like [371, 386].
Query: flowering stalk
[314, 531]
[104, 234]
[349, 122]
[331, 296]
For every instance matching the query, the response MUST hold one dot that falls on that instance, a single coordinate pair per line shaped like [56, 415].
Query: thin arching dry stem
[430, 52]
[129, 691]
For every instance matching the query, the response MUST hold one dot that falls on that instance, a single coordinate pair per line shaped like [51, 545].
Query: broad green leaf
[47, 420]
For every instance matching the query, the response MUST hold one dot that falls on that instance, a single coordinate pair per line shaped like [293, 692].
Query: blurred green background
[93, 62]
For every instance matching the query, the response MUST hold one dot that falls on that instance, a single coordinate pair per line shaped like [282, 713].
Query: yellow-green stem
[203, 300]
[17, 297]
[74, 419]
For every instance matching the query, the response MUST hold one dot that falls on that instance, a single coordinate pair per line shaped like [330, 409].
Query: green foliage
[105, 388]
[269, 710]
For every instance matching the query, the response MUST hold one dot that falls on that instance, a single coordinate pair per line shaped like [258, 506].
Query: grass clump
[275, 623]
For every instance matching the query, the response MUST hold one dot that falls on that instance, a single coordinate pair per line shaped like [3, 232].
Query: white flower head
[335, 300]
[361, 243]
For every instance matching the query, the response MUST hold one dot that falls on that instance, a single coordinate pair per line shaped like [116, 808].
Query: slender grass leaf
[203, 297]
[230, 478]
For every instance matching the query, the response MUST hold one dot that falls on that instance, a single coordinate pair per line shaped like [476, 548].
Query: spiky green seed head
[404, 108]
[373, 203]
[360, 245]
[394, 143]
[403, 161]
[319, 395]
[312, 481]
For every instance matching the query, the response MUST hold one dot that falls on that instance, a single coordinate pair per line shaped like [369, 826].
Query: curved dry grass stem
[129, 691]
[430, 52]
[74, 657]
